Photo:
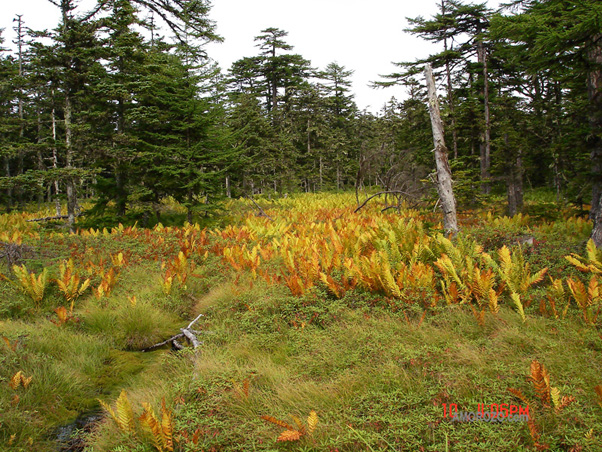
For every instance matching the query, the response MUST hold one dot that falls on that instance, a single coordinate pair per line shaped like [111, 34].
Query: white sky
[364, 36]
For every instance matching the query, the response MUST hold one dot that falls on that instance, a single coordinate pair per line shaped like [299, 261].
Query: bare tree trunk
[71, 196]
[57, 201]
[514, 184]
[20, 156]
[597, 230]
[9, 190]
[486, 141]
[594, 91]
[321, 174]
[228, 193]
[41, 166]
[444, 177]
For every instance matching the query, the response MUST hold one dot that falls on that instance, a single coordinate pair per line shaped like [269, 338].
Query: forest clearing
[321, 329]
[202, 258]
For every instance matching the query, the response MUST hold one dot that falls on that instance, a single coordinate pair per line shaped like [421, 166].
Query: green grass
[375, 370]
[377, 381]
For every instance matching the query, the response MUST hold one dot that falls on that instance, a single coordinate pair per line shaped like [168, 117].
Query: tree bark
[55, 160]
[444, 177]
[594, 91]
[9, 191]
[40, 162]
[71, 197]
[597, 230]
[486, 140]
[514, 183]
[20, 156]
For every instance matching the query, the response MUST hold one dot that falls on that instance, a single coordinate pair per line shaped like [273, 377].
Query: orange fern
[541, 381]
[292, 434]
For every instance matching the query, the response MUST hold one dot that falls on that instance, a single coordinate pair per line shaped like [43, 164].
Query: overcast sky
[364, 36]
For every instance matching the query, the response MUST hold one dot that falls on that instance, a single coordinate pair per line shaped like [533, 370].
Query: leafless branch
[379, 194]
[261, 211]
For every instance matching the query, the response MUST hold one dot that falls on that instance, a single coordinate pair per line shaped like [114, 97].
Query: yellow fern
[519, 305]
[166, 427]
[32, 285]
[312, 421]
[68, 282]
[149, 421]
[591, 264]
[588, 299]
[123, 414]
[15, 381]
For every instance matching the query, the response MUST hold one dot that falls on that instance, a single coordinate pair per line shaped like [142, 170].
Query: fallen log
[56, 217]
[187, 333]
[165, 342]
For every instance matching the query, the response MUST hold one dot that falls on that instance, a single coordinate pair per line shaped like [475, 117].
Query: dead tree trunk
[444, 177]
[486, 137]
[57, 200]
[71, 196]
[594, 91]
[514, 183]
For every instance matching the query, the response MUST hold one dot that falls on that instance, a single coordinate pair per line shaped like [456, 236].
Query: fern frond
[299, 424]
[125, 414]
[278, 422]
[312, 421]
[517, 393]
[109, 410]
[25, 381]
[15, 381]
[289, 435]
[598, 390]
[493, 299]
[533, 431]
[541, 381]
[565, 401]
[578, 291]
[32, 285]
[505, 260]
[555, 396]
[593, 255]
[149, 420]
[577, 263]
[537, 277]
[167, 426]
[519, 305]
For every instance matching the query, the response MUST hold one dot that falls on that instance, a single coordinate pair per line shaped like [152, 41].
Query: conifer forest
[204, 258]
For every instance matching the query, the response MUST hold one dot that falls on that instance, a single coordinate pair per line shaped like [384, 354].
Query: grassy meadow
[322, 330]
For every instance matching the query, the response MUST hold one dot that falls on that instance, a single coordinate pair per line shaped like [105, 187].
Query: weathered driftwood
[187, 333]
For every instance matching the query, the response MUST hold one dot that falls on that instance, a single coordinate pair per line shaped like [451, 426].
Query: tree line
[121, 104]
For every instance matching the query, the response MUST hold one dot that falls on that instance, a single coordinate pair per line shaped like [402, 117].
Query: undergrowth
[322, 329]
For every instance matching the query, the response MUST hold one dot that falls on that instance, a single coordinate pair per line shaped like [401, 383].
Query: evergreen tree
[561, 35]
[9, 124]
